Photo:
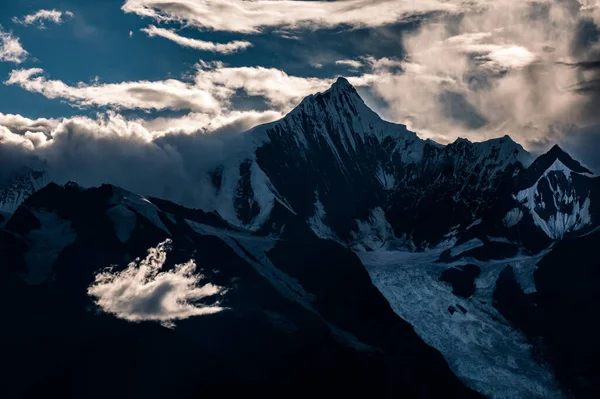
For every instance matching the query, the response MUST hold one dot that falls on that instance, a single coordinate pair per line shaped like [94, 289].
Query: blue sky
[447, 69]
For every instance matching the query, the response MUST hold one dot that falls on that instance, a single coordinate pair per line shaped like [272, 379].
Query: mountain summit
[365, 182]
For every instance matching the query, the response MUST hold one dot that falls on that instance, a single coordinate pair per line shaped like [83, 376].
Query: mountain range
[341, 255]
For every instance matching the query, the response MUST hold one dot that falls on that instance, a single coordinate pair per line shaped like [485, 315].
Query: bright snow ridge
[558, 224]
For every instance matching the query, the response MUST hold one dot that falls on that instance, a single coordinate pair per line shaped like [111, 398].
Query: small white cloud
[143, 292]
[352, 64]
[40, 17]
[226, 48]
[10, 48]
[130, 33]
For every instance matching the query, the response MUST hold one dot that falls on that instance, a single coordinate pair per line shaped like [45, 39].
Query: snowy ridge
[342, 112]
[554, 203]
[138, 204]
[46, 244]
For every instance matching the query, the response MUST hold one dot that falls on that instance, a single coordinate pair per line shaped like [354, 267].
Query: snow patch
[513, 217]
[263, 195]
[467, 246]
[560, 223]
[317, 224]
[475, 223]
[124, 221]
[140, 205]
[373, 233]
[46, 244]
[387, 180]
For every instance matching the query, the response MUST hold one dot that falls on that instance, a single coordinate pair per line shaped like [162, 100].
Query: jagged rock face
[453, 186]
[333, 159]
[332, 151]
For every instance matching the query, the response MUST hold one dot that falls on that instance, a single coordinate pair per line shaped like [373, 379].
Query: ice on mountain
[386, 179]
[123, 220]
[467, 246]
[140, 205]
[560, 223]
[46, 243]
[372, 233]
[512, 217]
[317, 224]
[263, 195]
[482, 349]
[475, 223]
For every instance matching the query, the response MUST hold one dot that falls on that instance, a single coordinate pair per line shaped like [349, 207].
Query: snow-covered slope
[481, 347]
[16, 187]
[559, 194]
[335, 162]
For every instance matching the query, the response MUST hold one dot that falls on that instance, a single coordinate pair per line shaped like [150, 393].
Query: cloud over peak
[214, 85]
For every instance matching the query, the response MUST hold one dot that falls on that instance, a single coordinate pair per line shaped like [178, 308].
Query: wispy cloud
[352, 64]
[143, 291]
[223, 48]
[41, 17]
[10, 48]
[252, 16]
[145, 95]
[214, 84]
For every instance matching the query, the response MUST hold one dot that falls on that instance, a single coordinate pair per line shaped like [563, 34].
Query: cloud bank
[144, 292]
[253, 16]
[527, 69]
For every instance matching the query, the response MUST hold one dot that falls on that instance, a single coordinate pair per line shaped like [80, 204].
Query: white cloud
[252, 16]
[500, 70]
[213, 87]
[352, 64]
[282, 91]
[145, 95]
[226, 48]
[21, 125]
[143, 291]
[10, 48]
[40, 17]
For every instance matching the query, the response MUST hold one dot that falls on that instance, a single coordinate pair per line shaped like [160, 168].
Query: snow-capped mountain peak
[558, 192]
